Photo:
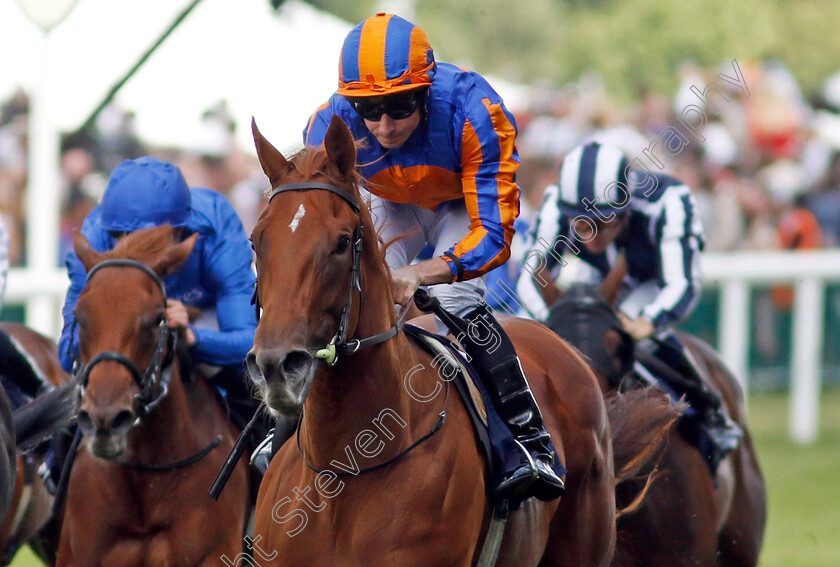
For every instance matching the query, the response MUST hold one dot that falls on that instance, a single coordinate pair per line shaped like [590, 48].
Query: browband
[126, 263]
[307, 185]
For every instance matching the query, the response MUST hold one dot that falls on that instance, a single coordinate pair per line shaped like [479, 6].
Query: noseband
[339, 346]
[159, 370]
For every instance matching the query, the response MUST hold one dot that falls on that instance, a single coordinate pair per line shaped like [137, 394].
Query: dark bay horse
[385, 469]
[30, 505]
[688, 517]
[153, 439]
[8, 453]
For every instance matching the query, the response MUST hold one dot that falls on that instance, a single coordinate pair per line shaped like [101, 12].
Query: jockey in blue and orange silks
[438, 152]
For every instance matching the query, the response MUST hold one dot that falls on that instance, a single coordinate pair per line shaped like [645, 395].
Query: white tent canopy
[277, 67]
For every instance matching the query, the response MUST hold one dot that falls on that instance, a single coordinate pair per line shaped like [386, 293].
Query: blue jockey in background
[601, 210]
[217, 280]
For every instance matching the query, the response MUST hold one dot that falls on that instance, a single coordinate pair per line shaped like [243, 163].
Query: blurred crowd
[87, 158]
[765, 168]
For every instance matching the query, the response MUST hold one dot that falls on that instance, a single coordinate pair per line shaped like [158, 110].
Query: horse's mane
[144, 245]
[312, 161]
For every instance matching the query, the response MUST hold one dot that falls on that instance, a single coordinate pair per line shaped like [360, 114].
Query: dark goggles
[397, 106]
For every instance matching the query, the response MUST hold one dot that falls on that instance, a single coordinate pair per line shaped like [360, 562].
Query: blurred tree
[636, 46]
[353, 12]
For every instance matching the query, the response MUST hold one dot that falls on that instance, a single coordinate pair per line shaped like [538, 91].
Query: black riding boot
[277, 436]
[16, 366]
[494, 357]
[711, 417]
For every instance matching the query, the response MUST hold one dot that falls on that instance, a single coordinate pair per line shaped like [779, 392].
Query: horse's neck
[344, 401]
[168, 429]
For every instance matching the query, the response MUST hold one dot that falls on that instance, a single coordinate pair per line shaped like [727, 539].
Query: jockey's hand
[176, 314]
[639, 329]
[406, 280]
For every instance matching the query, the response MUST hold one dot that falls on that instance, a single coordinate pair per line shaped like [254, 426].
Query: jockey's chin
[596, 246]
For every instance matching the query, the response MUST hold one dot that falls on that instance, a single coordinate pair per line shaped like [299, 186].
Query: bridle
[339, 346]
[157, 373]
[159, 370]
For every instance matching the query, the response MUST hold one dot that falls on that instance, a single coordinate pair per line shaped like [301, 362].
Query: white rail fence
[808, 272]
[42, 292]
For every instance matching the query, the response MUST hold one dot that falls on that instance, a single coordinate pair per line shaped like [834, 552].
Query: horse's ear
[272, 161]
[175, 256]
[619, 348]
[88, 256]
[341, 149]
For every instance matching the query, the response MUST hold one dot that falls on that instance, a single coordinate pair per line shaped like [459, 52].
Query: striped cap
[594, 178]
[384, 54]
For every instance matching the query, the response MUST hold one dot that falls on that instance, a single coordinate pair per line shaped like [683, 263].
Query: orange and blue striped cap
[384, 54]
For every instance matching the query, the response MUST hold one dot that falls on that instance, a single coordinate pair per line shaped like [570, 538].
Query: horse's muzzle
[107, 435]
[283, 376]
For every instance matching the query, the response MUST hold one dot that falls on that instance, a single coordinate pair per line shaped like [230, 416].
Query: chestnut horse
[385, 469]
[30, 505]
[689, 517]
[153, 439]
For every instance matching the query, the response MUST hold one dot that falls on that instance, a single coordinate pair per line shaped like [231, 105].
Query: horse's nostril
[85, 423]
[122, 421]
[296, 364]
[279, 365]
[265, 363]
[251, 364]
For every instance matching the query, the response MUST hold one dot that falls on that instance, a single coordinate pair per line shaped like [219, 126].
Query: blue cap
[143, 193]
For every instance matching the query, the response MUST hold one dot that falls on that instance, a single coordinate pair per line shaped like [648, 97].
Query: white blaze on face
[296, 220]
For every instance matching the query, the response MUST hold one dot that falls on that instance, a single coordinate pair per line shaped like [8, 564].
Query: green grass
[803, 484]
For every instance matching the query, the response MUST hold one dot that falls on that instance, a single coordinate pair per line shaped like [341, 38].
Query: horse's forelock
[312, 163]
[144, 245]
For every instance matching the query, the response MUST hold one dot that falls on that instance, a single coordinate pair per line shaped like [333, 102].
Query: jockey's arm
[679, 259]
[544, 283]
[406, 280]
[489, 162]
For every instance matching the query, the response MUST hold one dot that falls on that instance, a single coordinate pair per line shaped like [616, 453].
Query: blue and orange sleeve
[316, 127]
[489, 161]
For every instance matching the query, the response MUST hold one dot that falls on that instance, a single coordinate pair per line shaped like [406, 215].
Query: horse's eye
[342, 244]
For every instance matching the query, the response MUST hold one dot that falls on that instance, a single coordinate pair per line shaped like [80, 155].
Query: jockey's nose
[276, 364]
